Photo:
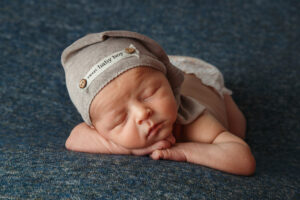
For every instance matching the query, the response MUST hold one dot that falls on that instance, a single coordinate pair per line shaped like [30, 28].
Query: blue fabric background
[254, 43]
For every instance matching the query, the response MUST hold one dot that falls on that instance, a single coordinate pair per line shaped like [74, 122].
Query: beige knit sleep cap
[93, 61]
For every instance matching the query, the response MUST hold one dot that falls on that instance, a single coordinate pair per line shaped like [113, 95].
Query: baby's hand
[171, 139]
[175, 153]
[163, 144]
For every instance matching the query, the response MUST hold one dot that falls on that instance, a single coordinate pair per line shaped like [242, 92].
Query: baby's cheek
[169, 106]
[130, 139]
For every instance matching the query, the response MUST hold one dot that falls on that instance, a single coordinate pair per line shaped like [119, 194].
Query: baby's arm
[206, 142]
[86, 139]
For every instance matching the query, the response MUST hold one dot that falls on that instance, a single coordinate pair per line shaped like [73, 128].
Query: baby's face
[136, 109]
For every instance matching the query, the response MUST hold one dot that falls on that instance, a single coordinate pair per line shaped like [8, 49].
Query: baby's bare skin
[208, 141]
[224, 110]
[147, 101]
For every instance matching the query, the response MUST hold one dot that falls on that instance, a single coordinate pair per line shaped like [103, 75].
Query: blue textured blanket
[254, 43]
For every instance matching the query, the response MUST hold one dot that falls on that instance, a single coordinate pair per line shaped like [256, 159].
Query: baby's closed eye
[118, 120]
[148, 93]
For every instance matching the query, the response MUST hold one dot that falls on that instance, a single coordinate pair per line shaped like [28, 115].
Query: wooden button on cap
[82, 83]
[129, 50]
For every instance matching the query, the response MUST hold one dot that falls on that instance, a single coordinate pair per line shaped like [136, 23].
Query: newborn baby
[133, 100]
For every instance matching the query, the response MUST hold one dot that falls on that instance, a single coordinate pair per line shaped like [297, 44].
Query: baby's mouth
[154, 129]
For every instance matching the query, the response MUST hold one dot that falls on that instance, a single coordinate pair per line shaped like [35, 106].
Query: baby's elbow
[243, 163]
[249, 164]
[72, 140]
[69, 144]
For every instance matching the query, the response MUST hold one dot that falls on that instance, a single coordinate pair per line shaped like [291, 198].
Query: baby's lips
[154, 129]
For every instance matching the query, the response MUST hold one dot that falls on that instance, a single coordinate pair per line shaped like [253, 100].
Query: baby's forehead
[115, 92]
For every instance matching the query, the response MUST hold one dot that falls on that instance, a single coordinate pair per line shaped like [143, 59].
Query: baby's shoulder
[204, 129]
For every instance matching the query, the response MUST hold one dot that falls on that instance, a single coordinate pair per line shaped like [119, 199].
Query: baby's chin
[157, 143]
[164, 135]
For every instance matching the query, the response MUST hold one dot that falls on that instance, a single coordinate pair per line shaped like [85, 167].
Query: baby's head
[123, 85]
[136, 109]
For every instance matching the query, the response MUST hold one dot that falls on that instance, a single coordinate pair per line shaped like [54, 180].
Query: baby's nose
[143, 113]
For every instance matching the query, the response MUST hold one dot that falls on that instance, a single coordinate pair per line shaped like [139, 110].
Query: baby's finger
[163, 144]
[161, 154]
[156, 155]
[158, 145]
[168, 154]
[171, 139]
